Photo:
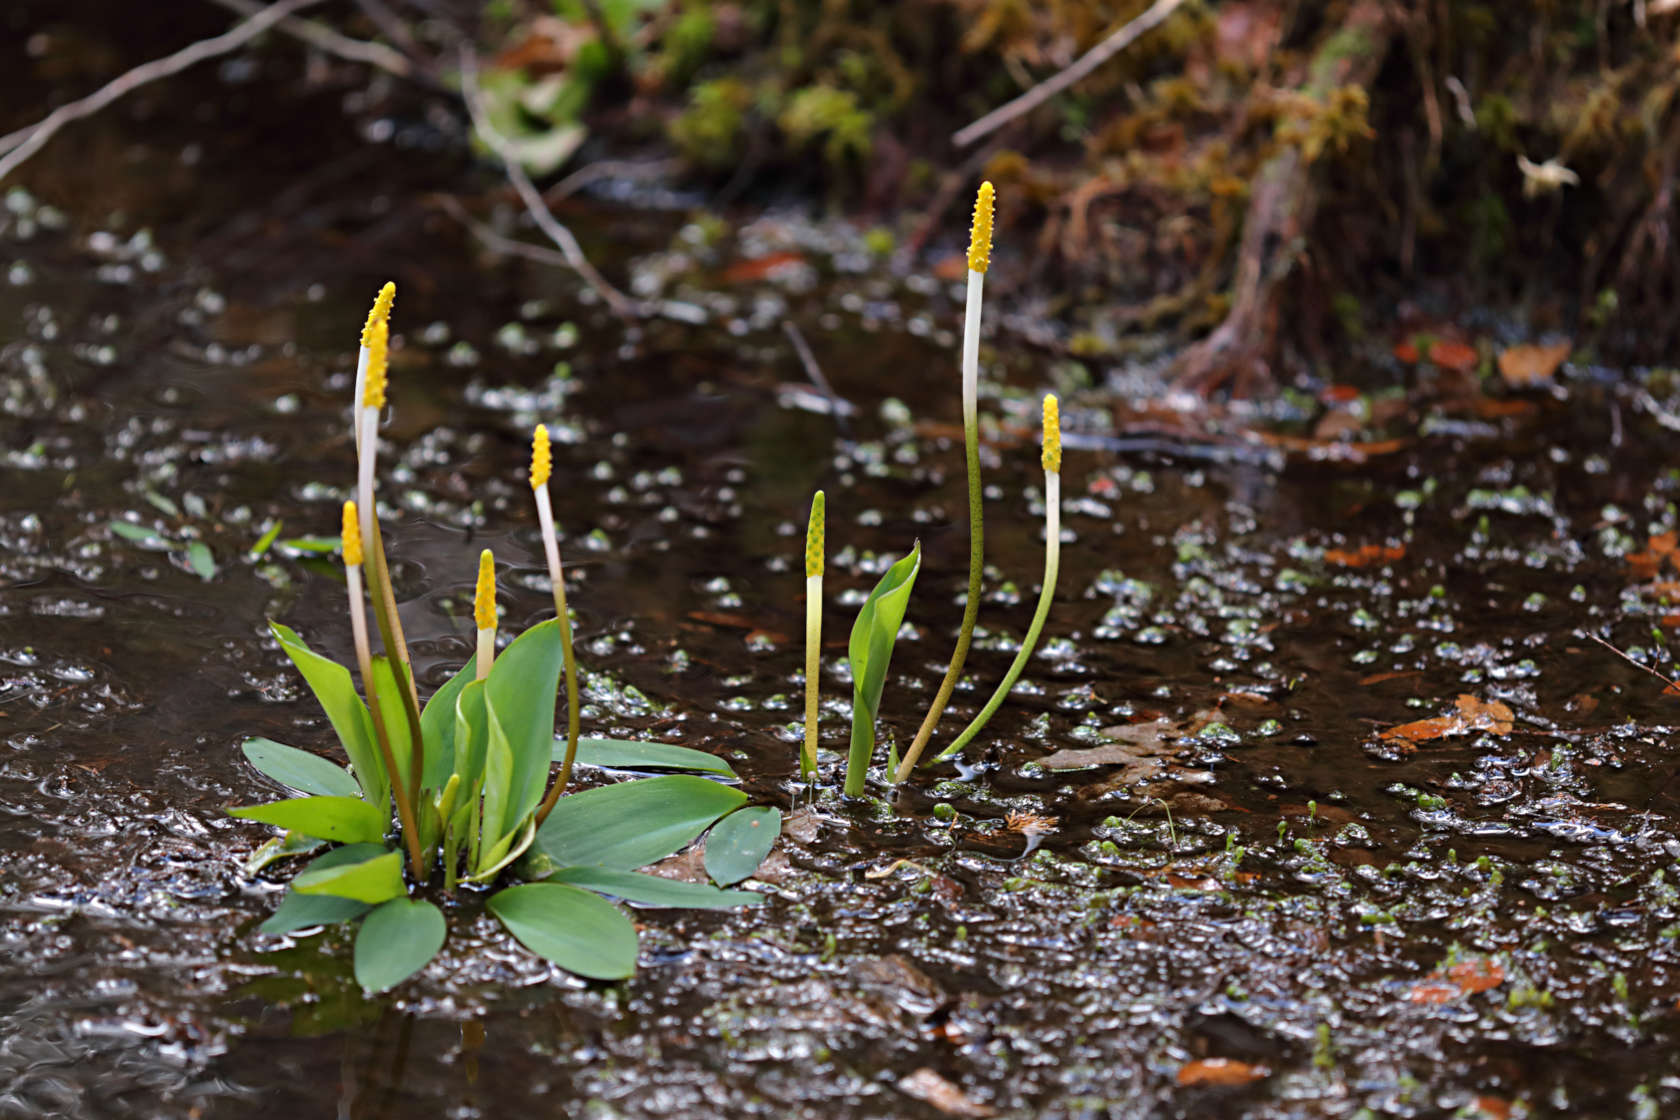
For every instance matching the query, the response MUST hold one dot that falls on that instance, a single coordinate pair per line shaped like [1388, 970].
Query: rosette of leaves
[488, 747]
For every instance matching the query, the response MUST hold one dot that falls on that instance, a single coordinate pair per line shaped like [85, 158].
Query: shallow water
[1483, 926]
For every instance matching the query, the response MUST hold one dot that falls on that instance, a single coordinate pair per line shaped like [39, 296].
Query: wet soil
[1184, 873]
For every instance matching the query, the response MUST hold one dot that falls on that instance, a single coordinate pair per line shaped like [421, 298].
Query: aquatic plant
[813, 633]
[870, 652]
[1052, 458]
[467, 772]
[979, 260]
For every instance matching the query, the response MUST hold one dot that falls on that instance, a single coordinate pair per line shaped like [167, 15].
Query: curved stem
[976, 526]
[1052, 565]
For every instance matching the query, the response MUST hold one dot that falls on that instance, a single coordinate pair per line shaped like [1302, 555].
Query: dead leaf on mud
[1220, 1071]
[1142, 748]
[1364, 555]
[1462, 979]
[1530, 365]
[1472, 714]
[926, 1085]
[1451, 354]
[1644, 565]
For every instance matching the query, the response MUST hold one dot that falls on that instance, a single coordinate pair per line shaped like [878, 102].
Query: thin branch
[1669, 681]
[609, 169]
[839, 407]
[20, 145]
[324, 38]
[534, 205]
[1146, 21]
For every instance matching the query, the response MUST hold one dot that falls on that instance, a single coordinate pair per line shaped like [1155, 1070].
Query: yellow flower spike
[484, 600]
[980, 241]
[1052, 435]
[352, 537]
[378, 345]
[381, 311]
[542, 457]
[814, 538]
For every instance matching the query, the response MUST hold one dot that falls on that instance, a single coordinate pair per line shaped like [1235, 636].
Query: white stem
[1052, 519]
[364, 474]
[486, 651]
[971, 349]
[551, 546]
[358, 622]
[356, 401]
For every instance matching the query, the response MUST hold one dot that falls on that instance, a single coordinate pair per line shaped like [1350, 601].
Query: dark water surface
[1484, 925]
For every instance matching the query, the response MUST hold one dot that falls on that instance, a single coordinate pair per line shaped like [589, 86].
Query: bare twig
[534, 205]
[839, 408]
[1146, 21]
[609, 169]
[324, 38]
[20, 145]
[1669, 681]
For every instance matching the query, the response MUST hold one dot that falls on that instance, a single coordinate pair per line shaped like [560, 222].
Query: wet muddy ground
[1193, 871]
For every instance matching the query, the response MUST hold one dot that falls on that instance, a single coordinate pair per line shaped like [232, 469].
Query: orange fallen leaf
[1451, 354]
[1494, 1108]
[1529, 366]
[1433, 991]
[1364, 555]
[1644, 565]
[953, 267]
[1406, 352]
[1479, 975]
[1473, 714]
[1220, 1071]
[761, 268]
[926, 1085]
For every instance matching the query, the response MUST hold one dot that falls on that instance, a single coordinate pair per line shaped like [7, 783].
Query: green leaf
[739, 843]
[655, 890]
[437, 728]
[202, 561]
[870, 652]
[281, 847]
[371, 880]
[299, 770]
[163, 503]
[523, 687]
[300, 911]
[396, 941]
[264, 542]
[579, 931]
[631, 824]
[348, 820]
[331, 684]
[395, 715]
[140, 534]
[628, 754]
[496, 824]
[313, 544]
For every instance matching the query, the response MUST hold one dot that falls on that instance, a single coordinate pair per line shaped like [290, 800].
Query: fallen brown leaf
[1364, 555]
[1530, 365]
[1472, 714]
[1220, 1071]
[1462, 979]
[926, 1085]
[1451, 354]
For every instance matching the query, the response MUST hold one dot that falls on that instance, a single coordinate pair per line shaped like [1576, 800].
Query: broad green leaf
[331, 684]
[654, 890]
[523, 687]
[201, 559]
[579, 931]
[349, 820]
[300, 911]
[437, 728]
[631, 824]
[628, 754]
[140, 534]
[396, 941]
[739, 843]
[371, 880]
[870, 652]
[299, 770]
[279, 848]
[391, 710]
[497, 822]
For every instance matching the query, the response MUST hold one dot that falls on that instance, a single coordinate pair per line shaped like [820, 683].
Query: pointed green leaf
[437, 728]
[392, 711]
[629, 754]
[654, 890]
[348, 820]
[371, 880]
[472, 735]
[396, 941]
[870, 652]
[496, 824]
[300, 911]
[299, 770]
[201, 559]
[739, 843]
[524, 686]
[331, 684]
[579, 931]
[140, 534]
[632, 824]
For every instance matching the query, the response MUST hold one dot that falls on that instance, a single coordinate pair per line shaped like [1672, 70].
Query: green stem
[572, 715]
[813, 673]
[1052, 565]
